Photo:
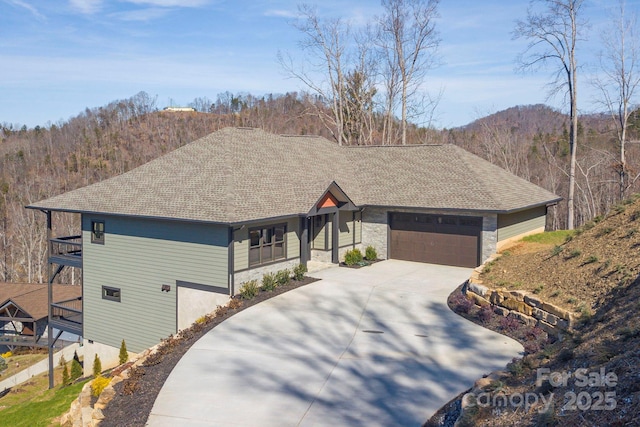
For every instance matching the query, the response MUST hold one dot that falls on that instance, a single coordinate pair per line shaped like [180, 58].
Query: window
[97, 232]
[267, 244]
[112, 294]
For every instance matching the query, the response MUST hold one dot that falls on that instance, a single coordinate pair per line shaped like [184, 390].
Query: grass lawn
[32, 404]
[549, 237]
[23, 361]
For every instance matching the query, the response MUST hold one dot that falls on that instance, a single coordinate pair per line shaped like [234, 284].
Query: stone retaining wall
[523, 305]
[82, 413]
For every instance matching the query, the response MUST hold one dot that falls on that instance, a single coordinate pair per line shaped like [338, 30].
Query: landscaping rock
[533, 300]
[518, 295]
[560, 312]
[527, 320]
[519, 306]
[478, 288]
[496, 297]
[501, 311]
[477, 299]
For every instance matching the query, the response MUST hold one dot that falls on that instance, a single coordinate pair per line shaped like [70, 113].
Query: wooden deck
[66, 251]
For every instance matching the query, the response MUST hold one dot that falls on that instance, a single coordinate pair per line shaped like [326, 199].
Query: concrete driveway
[375, 346]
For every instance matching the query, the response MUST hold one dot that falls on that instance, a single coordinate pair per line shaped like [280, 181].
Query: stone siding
[257, 273]
[375, 229]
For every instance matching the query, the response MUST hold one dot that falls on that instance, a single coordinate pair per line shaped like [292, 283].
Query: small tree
[97, 366]
[65, 372]
[124, 354]
[76, 369]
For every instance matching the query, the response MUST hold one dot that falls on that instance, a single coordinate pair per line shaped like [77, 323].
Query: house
[165, 243]
[24, 312]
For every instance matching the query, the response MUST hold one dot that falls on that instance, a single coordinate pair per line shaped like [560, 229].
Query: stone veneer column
[375, 229]
[489, 236]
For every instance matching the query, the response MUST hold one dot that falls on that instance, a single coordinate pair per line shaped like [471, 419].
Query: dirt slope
[592, 376]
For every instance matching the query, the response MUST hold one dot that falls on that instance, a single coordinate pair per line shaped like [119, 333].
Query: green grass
[549, 237]
[41, 408]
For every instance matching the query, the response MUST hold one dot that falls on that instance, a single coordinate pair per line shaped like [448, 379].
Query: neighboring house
[163, 244]
[24, 311]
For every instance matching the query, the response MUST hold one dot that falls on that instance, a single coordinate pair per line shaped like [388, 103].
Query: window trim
[94, 238]
[261, 245]
[107, 289]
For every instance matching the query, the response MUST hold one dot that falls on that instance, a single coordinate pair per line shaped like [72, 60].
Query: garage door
[435, 239]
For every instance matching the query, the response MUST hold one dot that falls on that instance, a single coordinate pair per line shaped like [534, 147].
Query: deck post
[49, 298]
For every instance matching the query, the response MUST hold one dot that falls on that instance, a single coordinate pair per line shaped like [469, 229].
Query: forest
[367, 90]
[529, 141]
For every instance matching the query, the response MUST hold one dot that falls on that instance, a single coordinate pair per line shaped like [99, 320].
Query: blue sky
[58, 57]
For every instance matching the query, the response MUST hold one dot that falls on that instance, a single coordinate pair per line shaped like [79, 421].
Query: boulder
[478, 288]
[518, 306]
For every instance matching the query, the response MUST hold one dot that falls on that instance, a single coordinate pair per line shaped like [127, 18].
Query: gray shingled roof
[235, 175]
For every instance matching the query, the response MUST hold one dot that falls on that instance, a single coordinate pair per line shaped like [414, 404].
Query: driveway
[375, 346]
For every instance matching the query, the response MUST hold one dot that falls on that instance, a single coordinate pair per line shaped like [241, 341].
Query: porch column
[335, 237]
[304, 240]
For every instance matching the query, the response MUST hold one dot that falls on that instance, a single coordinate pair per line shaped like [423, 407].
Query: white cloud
[171, 3]
[86, 6]
[141, 14]
[281, 13]
[27, 6]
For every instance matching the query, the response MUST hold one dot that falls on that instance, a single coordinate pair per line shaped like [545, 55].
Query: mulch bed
[135, 396]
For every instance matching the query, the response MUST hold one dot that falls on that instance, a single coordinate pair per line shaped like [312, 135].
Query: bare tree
[325, 44]
[553, 35]
[409, 40]
[620, 78]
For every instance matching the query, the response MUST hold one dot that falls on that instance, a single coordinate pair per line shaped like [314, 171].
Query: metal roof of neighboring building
[243, 174]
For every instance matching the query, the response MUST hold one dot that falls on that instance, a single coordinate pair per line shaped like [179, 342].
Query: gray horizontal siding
[139, 256]
[515, 224]
[345, 236]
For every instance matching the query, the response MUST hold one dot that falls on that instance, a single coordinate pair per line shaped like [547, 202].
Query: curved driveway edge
[361, 347]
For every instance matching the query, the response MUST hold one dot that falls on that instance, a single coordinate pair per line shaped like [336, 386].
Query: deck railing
[67, 315]
[67, 246]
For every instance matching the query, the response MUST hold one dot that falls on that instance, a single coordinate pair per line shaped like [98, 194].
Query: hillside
[595, 273]
[101, 142]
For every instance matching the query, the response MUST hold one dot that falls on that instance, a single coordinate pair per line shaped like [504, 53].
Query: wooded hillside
[529, 141]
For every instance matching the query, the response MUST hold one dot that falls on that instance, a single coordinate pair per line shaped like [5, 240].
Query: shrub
[299, 271]
[283, 277]
[539, 289]
[370, 253]
[556, 250]
[66, 379]
[591, 260]
[99, 384]
[485, 313]
[509, 323]
[461, 304]
[97, 366]
[531, 347]
[76, 369]
[269, 282]
[3, 364]
[123, 357]
[574, 254]
[234, 304]
[249, 289]
[353, 256]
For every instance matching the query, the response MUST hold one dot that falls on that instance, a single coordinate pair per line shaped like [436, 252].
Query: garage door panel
[435, 239]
